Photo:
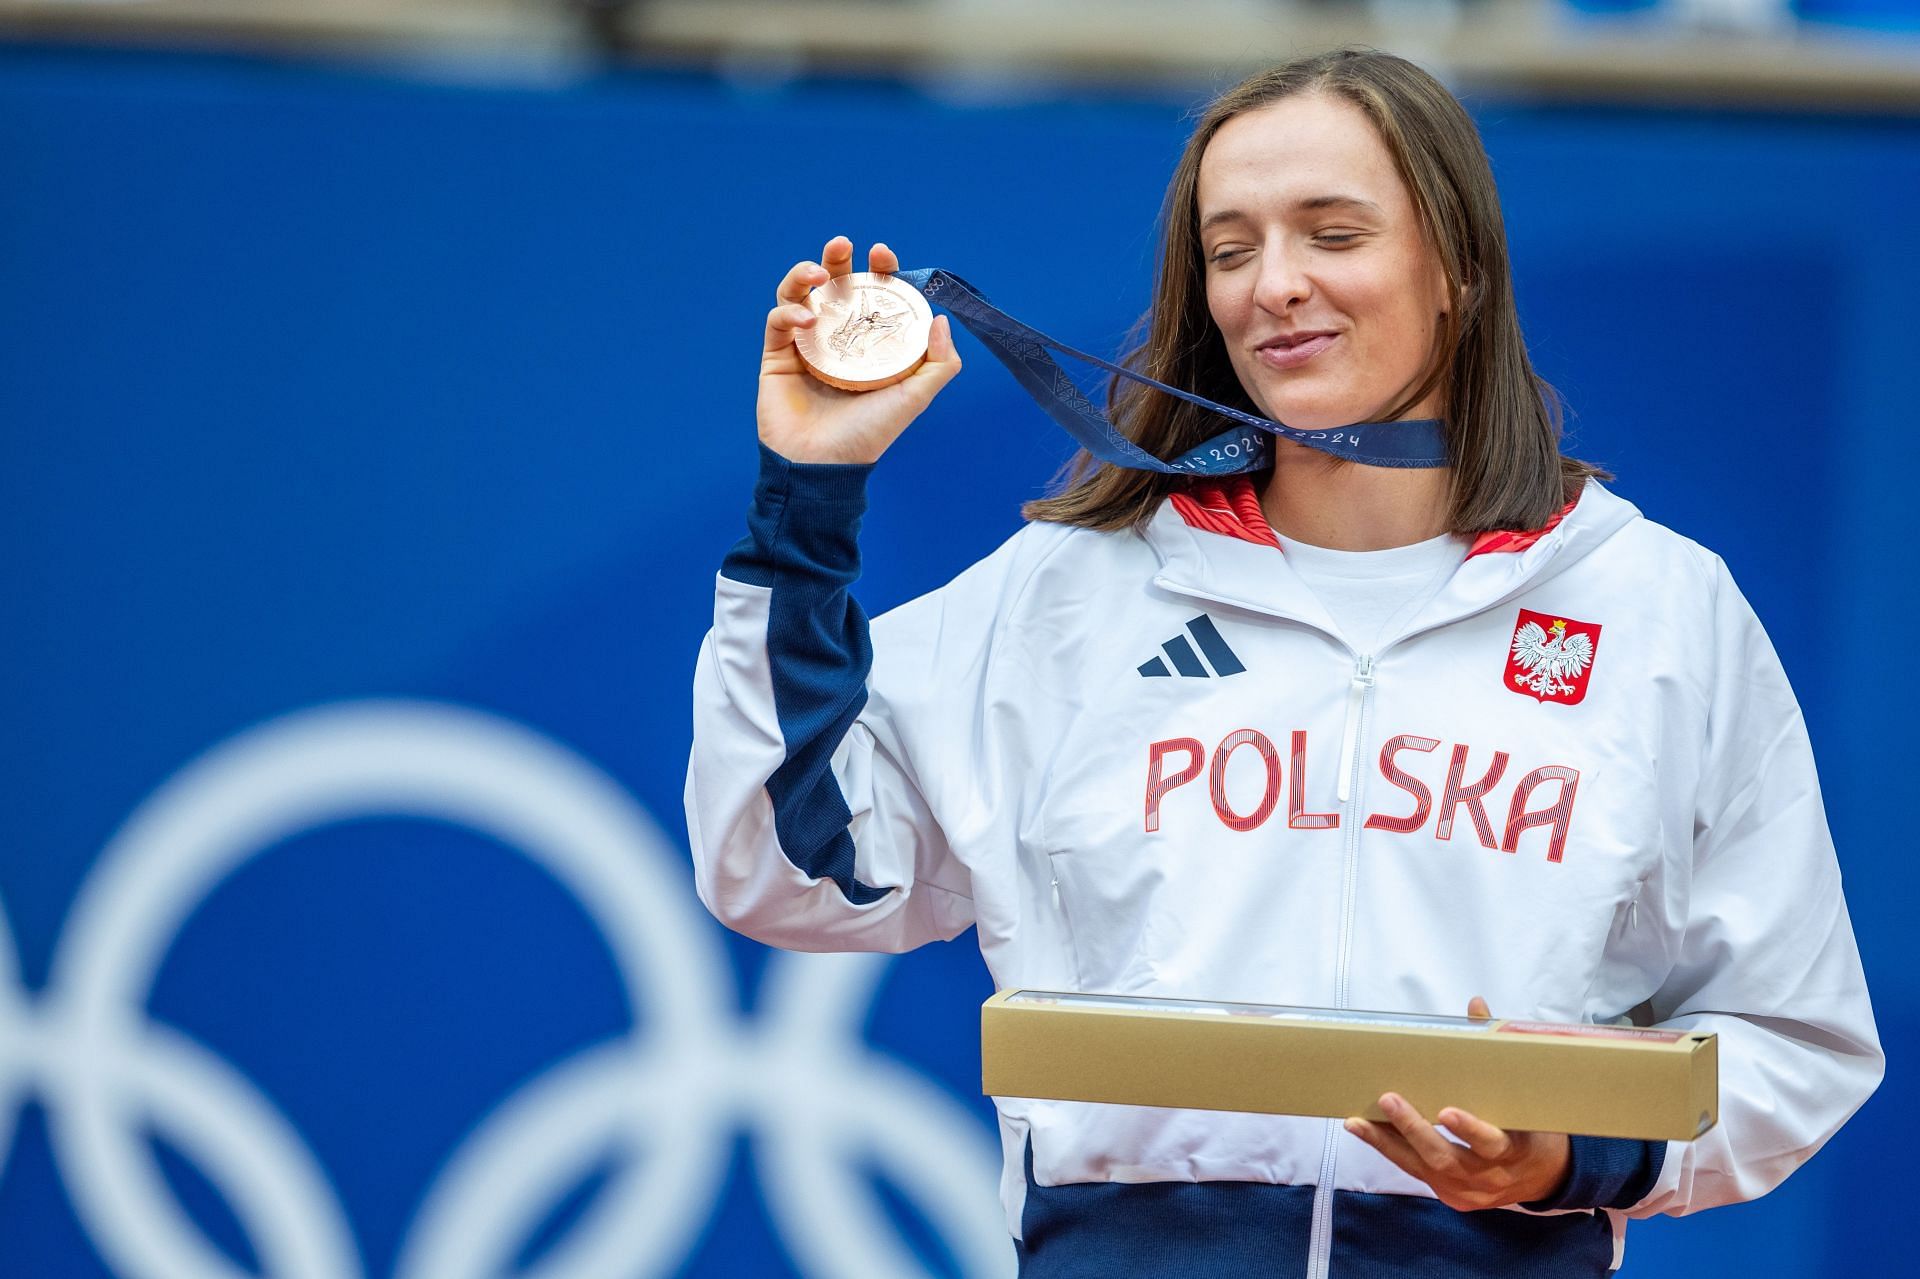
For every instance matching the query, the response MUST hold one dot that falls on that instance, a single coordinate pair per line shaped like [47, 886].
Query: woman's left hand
[1494, 1168]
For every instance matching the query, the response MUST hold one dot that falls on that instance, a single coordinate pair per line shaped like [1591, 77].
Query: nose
[1283, 280]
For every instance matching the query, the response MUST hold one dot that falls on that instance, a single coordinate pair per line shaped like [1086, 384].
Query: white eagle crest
[1553, 661]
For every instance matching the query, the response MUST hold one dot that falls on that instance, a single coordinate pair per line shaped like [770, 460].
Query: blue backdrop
[410, 418]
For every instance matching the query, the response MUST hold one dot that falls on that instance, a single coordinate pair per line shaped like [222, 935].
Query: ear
[1469, 300]
[1443, 296]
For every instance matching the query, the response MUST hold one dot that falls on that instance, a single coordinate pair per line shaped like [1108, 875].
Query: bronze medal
[872, 331]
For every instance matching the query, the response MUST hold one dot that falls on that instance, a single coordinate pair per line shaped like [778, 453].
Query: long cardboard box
[1605, 1081]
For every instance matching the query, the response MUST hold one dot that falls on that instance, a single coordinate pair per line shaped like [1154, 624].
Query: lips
[1291, 350]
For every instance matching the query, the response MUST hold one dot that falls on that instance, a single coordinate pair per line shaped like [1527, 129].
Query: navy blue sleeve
[802, 543]
[805, 519]
[1606, 1172]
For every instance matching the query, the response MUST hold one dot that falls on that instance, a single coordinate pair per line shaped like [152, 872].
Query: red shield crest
[1550, 658]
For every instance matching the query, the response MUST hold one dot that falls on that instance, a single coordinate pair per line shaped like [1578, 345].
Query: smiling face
[1324, 288]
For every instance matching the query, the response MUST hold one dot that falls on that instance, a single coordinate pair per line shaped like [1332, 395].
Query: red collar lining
[1500, 541]
[1230, 507]
[1227, 506]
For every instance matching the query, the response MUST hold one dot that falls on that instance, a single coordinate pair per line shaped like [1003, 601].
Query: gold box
[1604, 1081]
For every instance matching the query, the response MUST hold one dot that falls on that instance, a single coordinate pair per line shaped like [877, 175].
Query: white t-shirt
[1367, 592]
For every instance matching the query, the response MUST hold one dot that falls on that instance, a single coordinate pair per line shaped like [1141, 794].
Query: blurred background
[376, 381]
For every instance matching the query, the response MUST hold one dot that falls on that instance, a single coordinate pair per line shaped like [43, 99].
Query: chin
[1313, 414]
[1308, 401]
[1301, 407]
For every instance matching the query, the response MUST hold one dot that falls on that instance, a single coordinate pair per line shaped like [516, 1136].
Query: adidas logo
[1187, 662]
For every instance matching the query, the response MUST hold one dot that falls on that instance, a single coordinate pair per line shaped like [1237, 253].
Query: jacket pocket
[1107, 905]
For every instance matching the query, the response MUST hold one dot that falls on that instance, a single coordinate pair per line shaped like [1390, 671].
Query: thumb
[1478, 1010]
[942, 362]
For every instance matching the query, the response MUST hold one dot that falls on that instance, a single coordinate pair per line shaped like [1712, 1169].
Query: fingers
[1384, 1139]
[836, 260]
[1417, 1148]
[1425, 1139]
[1482, 1138]
[837, 256]
[798, 282]
[1478, 1010]
[784, 321]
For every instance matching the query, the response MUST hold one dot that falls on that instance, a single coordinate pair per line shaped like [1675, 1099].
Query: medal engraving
[872, 331]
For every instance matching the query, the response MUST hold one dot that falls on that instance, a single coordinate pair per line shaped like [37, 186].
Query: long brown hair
[1502, 421]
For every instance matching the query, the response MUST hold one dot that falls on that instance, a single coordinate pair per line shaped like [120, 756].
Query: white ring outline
[800, 1076]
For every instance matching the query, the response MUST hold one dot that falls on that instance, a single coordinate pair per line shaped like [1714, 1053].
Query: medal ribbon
[1248, 447]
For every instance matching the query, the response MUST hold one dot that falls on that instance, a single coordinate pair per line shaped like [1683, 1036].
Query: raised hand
[805, 420]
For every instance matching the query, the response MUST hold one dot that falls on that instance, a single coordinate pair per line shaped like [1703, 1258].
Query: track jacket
[1576, 783]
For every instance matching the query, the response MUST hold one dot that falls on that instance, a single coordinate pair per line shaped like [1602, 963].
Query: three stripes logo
[1179, 652]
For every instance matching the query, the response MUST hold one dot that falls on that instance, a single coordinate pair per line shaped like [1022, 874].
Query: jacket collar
[1214, 544]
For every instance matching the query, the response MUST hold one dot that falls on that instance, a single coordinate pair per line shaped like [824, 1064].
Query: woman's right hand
[805, 420]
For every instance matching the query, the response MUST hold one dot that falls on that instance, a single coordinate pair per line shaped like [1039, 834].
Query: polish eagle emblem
[1551, 657]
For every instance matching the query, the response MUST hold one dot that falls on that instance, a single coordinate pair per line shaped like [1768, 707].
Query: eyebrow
[1309, 204]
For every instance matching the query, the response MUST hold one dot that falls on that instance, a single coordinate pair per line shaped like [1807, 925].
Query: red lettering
[1218, 778]
[1297, 817]
[1560, 816]
[1165, 775]
[1422, 797]
[1457, 794]
[1158, 784]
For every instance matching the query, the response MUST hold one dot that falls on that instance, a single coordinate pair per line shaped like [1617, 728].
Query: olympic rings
[665, 1101]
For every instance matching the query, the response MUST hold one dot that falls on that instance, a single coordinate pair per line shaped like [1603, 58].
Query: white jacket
[1641, 835]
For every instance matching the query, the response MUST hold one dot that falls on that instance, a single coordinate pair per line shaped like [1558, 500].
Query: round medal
[872, 331]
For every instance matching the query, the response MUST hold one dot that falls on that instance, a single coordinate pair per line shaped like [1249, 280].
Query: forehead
[1298, 148]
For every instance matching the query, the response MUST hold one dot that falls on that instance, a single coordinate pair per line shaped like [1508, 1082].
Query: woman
[1336, 735]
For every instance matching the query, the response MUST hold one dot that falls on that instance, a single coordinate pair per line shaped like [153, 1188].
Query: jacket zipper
[1320, 1240]
[1359, 687]
[1350, 740]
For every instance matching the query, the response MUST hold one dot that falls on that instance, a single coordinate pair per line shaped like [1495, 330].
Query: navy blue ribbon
[1248, 447]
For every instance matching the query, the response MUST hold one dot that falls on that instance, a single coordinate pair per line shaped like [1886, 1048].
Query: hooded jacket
[1149, 763]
